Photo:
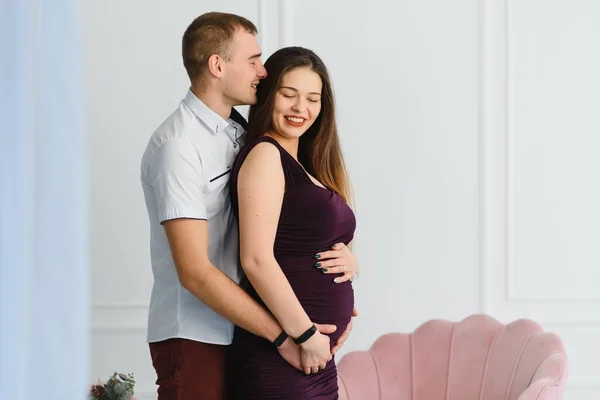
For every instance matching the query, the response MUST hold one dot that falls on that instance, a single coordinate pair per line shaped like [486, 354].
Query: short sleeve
[175, 174]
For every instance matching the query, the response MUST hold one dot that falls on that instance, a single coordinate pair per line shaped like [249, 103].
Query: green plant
[118, 387]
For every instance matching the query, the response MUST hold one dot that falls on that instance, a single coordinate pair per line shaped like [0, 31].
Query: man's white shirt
[185, 173]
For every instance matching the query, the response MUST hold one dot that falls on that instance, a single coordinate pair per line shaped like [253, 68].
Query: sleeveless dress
[312, 219]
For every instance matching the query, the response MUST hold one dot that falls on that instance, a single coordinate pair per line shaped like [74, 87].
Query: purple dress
[312, 220]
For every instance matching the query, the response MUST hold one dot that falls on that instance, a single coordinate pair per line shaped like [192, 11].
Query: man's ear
[215, 65]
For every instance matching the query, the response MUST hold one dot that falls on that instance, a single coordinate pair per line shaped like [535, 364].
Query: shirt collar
[213, 120]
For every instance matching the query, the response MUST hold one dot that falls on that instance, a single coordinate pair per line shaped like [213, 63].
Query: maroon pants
[189, 370]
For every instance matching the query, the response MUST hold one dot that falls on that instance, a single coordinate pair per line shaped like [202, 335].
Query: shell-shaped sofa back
[477, 358]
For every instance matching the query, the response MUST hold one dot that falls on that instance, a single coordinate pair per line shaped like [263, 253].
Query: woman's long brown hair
[319, 147]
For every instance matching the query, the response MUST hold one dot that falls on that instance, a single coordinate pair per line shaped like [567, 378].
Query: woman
[290, 192]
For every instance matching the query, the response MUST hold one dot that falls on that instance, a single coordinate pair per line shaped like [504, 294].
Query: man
[194, 240]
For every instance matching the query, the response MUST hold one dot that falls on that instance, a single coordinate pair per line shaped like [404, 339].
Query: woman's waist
[300, 246]
[299, 263]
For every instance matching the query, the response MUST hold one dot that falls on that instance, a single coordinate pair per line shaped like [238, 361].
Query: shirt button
[235, 145]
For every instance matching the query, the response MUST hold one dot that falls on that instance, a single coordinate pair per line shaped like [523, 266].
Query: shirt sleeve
[175, 174]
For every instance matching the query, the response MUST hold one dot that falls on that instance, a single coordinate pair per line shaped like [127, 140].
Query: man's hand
[290, 351]
[338, 260]
[346, 333]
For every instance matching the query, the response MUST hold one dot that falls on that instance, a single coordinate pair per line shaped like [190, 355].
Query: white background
[469, 132]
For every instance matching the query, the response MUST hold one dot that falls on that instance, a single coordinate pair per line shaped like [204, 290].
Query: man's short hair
[210, 33]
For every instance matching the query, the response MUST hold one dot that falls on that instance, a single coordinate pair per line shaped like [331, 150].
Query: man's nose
[262, 72]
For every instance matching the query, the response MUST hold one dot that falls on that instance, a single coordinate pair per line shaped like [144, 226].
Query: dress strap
[294, 173]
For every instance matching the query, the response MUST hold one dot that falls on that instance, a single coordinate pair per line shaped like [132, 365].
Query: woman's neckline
[315, 182]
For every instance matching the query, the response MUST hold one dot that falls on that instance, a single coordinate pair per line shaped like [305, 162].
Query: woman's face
[297, 102]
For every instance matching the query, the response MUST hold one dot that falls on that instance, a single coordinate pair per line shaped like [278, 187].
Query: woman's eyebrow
[295, 90]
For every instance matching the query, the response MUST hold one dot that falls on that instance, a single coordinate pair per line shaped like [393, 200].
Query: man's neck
[213, 100]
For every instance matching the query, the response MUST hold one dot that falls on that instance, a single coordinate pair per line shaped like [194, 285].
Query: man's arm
[188, 239]
[176, 175]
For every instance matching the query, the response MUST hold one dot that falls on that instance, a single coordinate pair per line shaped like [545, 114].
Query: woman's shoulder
[263, 145]
[262, 150]
[261, 139]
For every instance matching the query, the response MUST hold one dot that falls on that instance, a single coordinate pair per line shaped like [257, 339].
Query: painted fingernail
[317, 256]
[318, 265]
[336, 280]
[324, 270]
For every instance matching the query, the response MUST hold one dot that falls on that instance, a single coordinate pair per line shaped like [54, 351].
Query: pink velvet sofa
[477, 358]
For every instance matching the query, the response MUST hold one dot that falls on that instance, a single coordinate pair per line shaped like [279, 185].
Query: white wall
[467, 127]
[539, 140]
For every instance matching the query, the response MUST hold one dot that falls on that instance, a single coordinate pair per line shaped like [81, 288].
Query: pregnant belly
[325, 301]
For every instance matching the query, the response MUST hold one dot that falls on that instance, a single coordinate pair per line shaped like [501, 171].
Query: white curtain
[43, 205]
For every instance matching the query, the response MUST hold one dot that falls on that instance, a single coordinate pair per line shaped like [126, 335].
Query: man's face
[244, 70]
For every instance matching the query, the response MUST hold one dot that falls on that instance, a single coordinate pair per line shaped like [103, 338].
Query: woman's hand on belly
[338, 260]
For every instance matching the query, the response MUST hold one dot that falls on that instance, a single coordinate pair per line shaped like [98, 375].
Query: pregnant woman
[289, 190]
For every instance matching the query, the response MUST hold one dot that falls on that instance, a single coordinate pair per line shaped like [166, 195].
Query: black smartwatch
[280, 339]
[306, 335]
